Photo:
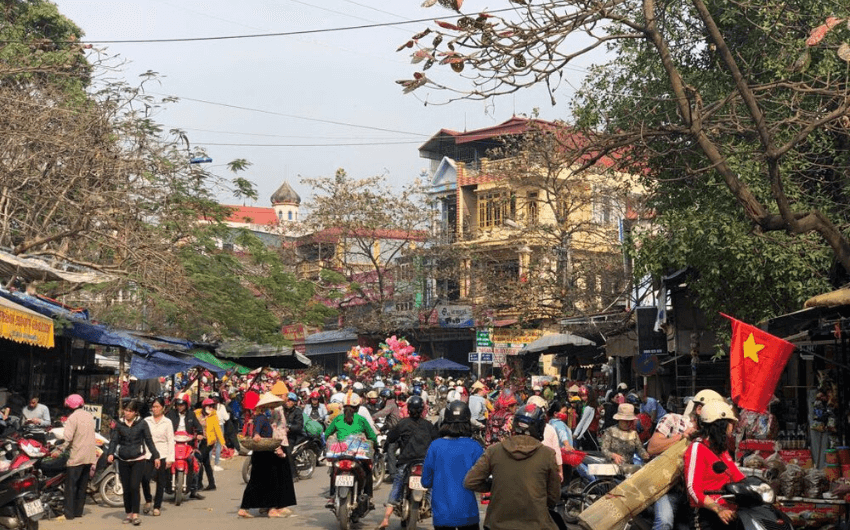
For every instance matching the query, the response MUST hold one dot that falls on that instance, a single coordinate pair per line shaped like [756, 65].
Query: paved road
[218, 510]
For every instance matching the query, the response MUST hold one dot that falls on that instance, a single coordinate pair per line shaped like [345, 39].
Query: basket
[572, 458]
[263, 444]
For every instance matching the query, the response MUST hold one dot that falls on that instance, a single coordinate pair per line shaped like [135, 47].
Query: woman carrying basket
[270, 486]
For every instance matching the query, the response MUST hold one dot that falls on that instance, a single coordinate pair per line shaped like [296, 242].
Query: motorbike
[415, 502]
[754, 499]
[306, 454]
[349, 467]
[20, 504]
[184, 456]
[379, 463]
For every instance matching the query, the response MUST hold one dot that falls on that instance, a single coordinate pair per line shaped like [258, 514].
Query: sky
[272, 100]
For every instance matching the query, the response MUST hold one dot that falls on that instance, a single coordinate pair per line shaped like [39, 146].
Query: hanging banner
[20, 324]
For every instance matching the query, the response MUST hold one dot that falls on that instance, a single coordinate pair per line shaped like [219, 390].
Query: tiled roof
[252, 215]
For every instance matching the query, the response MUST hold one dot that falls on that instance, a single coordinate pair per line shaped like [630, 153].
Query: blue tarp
[159, 364]
[442, 364]
[148, 351]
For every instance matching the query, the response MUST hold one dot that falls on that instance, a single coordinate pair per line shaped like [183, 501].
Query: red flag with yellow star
[756, 361]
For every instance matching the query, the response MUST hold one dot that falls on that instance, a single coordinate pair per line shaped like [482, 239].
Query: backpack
[311, 426]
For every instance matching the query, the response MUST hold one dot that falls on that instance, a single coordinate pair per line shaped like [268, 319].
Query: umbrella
[442, 364]
[559, 341]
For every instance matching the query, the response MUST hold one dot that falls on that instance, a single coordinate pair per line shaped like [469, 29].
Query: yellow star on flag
[751, 349]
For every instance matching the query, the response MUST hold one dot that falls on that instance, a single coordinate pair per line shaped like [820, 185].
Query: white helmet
[716, 410]
[701, 398]
[351, 400]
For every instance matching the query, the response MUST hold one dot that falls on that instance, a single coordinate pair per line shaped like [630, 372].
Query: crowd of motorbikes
[32, 477]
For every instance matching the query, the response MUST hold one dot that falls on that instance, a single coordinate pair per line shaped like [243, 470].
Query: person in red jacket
[708, 467]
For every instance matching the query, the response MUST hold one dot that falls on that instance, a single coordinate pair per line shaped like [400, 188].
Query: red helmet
[314, 394]
[207, 401]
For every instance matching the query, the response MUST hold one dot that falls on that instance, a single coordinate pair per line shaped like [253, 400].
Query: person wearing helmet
[315, 409]
[525, 480]
[413, 435]
[183, 420]
[621, 442]
[346, 424]
[709, 467]
[447, 462]
[671, 429]
[208, 419]
[373, 404]
[80, 440]
[294, 426]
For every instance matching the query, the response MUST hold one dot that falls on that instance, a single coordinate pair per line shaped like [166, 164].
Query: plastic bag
[791, 481]
[816, 483]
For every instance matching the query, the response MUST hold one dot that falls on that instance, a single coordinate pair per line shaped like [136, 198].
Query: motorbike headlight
[767, 494]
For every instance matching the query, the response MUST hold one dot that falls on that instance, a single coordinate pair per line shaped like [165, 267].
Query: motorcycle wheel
[595, 490]
[246, 470]
[31, 525]
[379, 471]
[572, 504]
[179, 479]
[412, 515]
[305, 463]
[111, 491]
[343, 515]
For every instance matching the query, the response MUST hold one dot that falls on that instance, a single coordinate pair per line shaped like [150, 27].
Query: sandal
[146, 509]
[127, 520]
[156, 512]
[137, 521]
[244, 514]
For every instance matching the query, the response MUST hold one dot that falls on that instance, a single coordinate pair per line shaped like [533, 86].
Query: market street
[218, 509]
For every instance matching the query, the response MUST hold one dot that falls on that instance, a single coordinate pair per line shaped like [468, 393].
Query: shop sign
[25, 326]
[519, 336]
[97, 413]
[482, 338]
[499, 359]
[506, 349]
[455, 316]
[484, 349]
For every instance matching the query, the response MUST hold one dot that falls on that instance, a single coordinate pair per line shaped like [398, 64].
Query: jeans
[217, 452]
[665, 512]
[76, 483]
[206, 466]
[398, 485]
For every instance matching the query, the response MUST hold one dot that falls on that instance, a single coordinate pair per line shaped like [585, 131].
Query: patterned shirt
[672, 424]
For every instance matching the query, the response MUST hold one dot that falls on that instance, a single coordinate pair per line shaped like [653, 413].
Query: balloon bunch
[393, 356]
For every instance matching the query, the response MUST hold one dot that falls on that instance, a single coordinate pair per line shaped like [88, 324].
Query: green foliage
[39, 46]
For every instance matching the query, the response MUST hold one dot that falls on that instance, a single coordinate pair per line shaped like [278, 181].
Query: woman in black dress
[270, 486]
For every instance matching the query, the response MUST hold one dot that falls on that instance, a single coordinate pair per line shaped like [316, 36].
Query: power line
[293, 116]
[308, 145]
[279, 34]
[266, 135]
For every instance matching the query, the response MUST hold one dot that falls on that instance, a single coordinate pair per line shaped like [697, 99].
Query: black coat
[129, 440]
[193, 426]
[294, 423]
[414, 437]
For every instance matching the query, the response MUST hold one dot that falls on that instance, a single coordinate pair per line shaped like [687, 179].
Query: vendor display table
[804, 511]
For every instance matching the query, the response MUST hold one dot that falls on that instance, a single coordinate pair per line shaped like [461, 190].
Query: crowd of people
[507, 440]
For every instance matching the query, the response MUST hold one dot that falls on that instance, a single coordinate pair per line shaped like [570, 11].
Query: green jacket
[358, 425]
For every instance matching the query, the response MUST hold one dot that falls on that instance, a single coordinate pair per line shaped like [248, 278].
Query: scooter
[184, 456]
[20, 505]
[754, 499]
[415, 502]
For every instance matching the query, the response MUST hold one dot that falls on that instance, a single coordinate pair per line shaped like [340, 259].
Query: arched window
[290, 215]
